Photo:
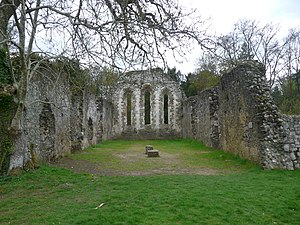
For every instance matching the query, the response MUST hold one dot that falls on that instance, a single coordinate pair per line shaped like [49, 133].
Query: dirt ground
[170, 166]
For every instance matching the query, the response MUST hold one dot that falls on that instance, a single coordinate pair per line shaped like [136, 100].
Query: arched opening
[166, 109]
[129, 96]
[147, 107]
[90, 129]
[47, 131]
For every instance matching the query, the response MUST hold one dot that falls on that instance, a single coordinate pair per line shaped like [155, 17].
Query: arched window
[128, 109]
[147, 107]
[166, 109]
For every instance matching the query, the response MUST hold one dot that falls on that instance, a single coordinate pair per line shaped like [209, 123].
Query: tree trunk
[7, 9]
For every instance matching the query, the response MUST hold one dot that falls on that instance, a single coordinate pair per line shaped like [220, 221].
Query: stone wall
[291, 126]
[200, 120]
[45, 123]
[240, 116]
[57, 122]
[237, 112]
[130, 106]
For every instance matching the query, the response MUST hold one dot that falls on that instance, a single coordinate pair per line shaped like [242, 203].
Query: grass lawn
[242, 195]
[176, 157]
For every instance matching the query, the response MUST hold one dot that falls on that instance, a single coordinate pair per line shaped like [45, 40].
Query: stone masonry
[165, 106]
[57, 122]
[238, 116]
[291, 140]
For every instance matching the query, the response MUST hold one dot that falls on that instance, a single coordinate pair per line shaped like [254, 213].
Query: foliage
[105, 80]
[79, 78]
[174, 74]
[58, 196]
[7, 107]
[197, 82]
[287, 96]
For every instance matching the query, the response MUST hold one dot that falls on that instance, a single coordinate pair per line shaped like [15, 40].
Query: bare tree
[119, 33]
[250, 40]
[292, 52]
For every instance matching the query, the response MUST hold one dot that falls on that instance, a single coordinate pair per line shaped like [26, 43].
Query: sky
[224, 13]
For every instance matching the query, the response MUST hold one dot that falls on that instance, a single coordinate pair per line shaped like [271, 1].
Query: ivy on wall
[5, 77]
[7, 107]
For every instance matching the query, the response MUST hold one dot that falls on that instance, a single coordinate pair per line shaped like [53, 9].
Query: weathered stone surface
[238, 116]
[147, 148]
[57, 122]
[130, 120]
[153, 153]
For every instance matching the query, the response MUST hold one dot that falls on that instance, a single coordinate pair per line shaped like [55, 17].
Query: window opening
[129, 109]
[166, 109]
[147, 107]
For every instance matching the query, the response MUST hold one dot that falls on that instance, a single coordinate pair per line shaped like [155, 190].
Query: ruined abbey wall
[146, 92]
[291, 140]
[200, 118]
[45, 123]
[238, 116]
[241, 117]
[57, 122]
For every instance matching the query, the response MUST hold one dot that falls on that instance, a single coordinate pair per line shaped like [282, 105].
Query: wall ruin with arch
[57, 122]
[238, 116]
[147, 105]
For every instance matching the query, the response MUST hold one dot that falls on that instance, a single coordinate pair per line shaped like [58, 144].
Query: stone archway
[47, 131]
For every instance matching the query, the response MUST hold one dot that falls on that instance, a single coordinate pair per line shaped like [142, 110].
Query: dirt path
[84, 166]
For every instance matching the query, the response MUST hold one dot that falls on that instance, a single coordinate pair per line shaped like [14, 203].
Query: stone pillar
[157, 108]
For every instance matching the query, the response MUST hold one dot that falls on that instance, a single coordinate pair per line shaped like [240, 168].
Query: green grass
[52, 195]
[175, 154]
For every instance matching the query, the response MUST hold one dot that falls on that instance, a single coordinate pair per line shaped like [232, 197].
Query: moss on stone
[7, 107]
[34, 159]
[5, 77]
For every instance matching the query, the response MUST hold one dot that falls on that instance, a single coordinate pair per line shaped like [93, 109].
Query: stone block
[286, 147]
[290, 166]
[293, 157]
[147, 148]
[153, 153]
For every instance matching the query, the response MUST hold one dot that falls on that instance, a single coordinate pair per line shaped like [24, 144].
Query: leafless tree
[292, 52]
[250, 40]
[119, 33]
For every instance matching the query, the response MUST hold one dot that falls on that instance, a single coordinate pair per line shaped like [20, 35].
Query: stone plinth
[153, 153]
[147, 148]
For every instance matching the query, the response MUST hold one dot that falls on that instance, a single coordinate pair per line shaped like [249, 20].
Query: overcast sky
[224, 13]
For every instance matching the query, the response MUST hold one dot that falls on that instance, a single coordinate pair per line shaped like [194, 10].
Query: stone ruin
[238, 116]
[147, 105]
